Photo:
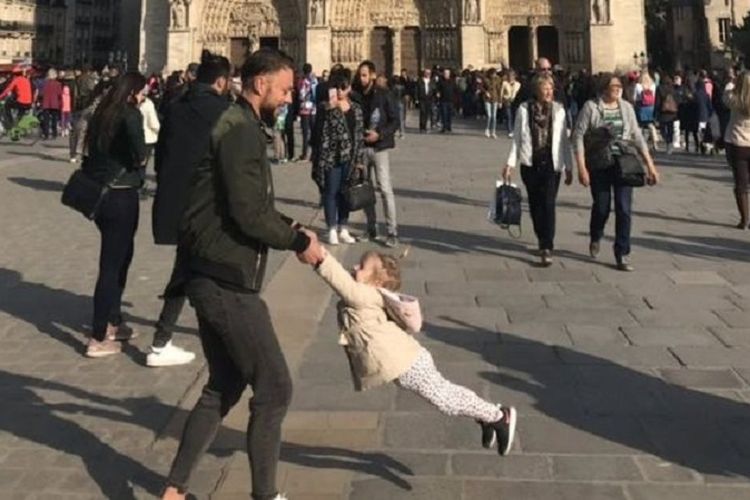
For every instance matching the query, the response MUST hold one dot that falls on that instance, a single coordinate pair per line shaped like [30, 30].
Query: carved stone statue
[178, 14]
[471, 11]
[600, 11]
[317, 12]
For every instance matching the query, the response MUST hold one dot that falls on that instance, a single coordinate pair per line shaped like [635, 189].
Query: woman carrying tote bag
[541, 146]
[341, 151]
[116, 157]
[596, 159]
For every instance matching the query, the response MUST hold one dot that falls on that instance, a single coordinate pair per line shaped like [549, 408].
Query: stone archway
[230, 26]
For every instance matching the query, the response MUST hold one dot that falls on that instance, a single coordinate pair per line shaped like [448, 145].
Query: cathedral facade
[597, 35]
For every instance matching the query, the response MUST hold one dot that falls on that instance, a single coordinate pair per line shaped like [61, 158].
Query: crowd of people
[208, 130]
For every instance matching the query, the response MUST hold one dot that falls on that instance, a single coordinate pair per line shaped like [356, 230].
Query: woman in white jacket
[151, 125]
[541, 147]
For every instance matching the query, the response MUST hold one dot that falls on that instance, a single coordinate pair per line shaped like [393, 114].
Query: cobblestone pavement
[629, 386]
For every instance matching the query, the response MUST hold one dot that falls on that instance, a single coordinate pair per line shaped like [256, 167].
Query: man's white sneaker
[345, 237]
[333, 237]
[494, 135]
[169, 355]
[487, 133]
[280, 497]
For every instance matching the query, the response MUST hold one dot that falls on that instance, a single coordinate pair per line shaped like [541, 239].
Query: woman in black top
[341, 149]
[116, 156]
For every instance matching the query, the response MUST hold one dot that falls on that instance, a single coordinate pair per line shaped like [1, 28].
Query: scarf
[540, 121]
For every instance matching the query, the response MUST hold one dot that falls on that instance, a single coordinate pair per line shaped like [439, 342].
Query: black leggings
[117, 222]
[739, 160]
[241, 349]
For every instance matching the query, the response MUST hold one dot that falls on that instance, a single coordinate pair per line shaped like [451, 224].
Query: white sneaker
[494, 135]
[280, 497]
[333, 237]
[169, 355]
[345, 237]
[487, 133]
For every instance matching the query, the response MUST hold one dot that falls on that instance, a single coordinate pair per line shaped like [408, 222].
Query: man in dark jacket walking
[381, 123]
[228, 226]
[425, 96]
[183, 143]
[446, 94]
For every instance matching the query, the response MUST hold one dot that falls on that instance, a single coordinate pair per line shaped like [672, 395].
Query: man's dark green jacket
[230, 220]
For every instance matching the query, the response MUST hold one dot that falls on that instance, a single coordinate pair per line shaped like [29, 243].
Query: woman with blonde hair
[541, 147]
[645, 104]
[737, 140]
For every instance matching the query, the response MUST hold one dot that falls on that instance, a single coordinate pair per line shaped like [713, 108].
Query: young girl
[380, 351]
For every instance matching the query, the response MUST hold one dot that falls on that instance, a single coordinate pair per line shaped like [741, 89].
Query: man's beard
[268, 113]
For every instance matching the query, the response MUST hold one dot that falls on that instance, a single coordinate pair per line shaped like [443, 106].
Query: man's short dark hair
[212, 68]
[367, 64]
[263, 62]
[306, 69]
[192, 68]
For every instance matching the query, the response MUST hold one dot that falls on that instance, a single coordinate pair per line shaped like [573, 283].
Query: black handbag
[359, 192]
[629, 167]
[597, 145]
[507, 213]
[86, 195]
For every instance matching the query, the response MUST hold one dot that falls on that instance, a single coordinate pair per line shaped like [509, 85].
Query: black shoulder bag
[359, 192]
[85, 195]
[629, 167]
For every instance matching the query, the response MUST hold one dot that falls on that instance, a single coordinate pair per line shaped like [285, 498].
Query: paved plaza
[630, 386]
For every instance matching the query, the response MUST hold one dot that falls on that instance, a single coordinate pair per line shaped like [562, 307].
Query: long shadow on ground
[598, 397]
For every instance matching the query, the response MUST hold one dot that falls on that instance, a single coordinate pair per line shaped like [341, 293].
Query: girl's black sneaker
[505, 430]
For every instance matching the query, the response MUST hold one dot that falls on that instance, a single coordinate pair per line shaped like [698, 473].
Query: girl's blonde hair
[740, 97]
[646, 81]
[391, 275]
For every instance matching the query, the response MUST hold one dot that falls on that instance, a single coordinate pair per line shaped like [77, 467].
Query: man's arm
[393, 121]
[248, 192]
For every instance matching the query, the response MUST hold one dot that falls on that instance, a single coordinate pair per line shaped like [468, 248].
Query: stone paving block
[656, 469]
[676, 318]
[705, 379]
[677, 300]
[516, 467]
[583, 435]
[736, 275]
[685, 492]
[521, 355]
[536, 333]
[515, 302]
[590, 290]
[600, 302]
[735, 319]
[316, 481]
[421, 431]
[697, 278]
[524, 288]
[733, 337]
[592, 468]
[713, 356]
[464, 319]
[415, 464]
[340, 397]
[358, 439]
[602, 316]
[406, 489]
[435, 303]
[669, 336]
[512, 276]
[560, 275]
[626, 356]
[583, 335]
[542, 490]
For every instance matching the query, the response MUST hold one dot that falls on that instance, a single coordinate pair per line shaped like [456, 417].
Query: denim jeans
[378, 162]
[542, 184]
[509, 117]
[603, 185]
[667, 132]
[241, 349]
[117, 222]
[490, 109]
[50, 119]
[402, 117]
[306, 121]
[174, 301]
[334, 205]
[446, 116]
